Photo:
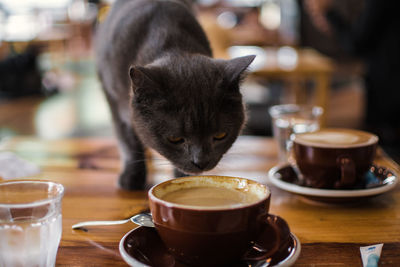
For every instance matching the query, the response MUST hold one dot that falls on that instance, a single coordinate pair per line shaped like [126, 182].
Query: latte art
[336, 138]
[332, 138]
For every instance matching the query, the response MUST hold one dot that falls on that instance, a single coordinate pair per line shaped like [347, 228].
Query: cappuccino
[209, 196]
[211, 192]
[215, 220]
[336, 138]
[334, 158]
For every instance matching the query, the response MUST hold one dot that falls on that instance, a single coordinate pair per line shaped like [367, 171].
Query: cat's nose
[201, 164]
[200, 157]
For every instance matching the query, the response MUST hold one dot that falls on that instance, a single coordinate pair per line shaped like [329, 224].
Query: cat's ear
[141, 78]
[234, 68]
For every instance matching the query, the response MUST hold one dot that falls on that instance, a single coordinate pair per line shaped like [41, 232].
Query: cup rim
[154, 198]
[57, 197]
[372, 141]
[276, 110]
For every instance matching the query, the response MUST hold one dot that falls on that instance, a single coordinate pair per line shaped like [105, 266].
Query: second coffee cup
[334, 158]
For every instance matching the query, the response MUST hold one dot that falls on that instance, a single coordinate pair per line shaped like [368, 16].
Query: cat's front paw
[133, 178]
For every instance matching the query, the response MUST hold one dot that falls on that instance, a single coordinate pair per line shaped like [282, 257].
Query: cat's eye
[220, 136]
[175, 140]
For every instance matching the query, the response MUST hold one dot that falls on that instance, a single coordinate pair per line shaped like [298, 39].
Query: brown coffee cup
[334, 158]
[215, 220]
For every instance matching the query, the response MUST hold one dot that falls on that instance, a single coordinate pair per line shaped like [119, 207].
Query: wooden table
[330, 235]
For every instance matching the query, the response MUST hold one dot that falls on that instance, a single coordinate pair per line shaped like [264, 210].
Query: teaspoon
[141, 219]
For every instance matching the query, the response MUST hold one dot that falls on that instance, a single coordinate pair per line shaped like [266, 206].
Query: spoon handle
[93, 223]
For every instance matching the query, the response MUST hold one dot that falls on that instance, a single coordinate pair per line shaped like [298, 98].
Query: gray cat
[164, 88]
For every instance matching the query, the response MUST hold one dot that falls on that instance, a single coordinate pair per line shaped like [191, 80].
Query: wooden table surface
[88, 168]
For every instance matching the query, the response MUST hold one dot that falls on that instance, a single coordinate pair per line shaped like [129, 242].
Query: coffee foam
[336, 138]
[257, 191]
[209, 196]
[332, 138]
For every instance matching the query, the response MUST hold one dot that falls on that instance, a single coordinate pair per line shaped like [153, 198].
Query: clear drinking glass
[30, 222]
[290, 119]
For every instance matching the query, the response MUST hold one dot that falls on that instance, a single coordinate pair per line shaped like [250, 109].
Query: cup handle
[274, 236]
[347, 171]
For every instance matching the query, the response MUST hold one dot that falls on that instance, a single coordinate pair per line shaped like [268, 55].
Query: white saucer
[278, 176]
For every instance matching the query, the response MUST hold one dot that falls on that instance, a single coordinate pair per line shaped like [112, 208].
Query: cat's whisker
[162, 165]
[159, 159]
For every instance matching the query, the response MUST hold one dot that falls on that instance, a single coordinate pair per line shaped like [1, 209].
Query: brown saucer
[142, 246]
[378, 180]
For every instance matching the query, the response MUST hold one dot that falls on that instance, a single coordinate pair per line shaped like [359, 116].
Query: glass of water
[30, 222]
[291, 119]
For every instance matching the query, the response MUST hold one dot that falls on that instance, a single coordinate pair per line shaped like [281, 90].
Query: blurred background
[49, 87]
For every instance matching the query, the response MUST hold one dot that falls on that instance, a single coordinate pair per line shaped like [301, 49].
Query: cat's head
[189, 109]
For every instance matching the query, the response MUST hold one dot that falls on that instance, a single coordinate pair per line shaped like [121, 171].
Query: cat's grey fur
[161, 82]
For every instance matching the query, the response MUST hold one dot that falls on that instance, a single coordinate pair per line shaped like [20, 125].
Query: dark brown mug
[216, 230]
[334, 158]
